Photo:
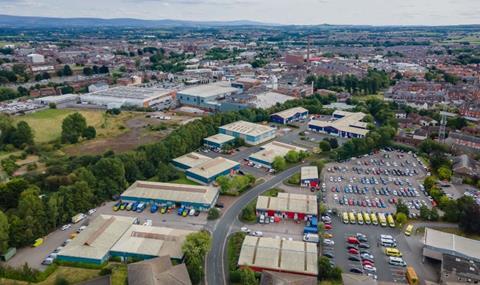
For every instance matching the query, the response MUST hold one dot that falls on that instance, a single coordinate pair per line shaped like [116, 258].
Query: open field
[71, 274]
[47, 124]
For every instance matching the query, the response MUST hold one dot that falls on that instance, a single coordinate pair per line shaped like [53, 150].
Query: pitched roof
[158, 271]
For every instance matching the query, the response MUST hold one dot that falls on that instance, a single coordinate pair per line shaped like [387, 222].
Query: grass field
[119, 275]
[366, 97]
[71, 274]
[47, 124]
[184, 180]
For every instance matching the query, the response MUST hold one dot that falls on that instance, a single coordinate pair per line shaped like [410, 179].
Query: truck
[78, 217]
[411, 276]
[310, 230]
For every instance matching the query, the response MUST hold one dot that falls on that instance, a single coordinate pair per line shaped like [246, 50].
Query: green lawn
[119, 275]
[184, 180]
[72, 274]
[47, 124]
[366, 97]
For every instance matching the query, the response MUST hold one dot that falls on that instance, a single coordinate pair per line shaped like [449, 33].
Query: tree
[444, 173]
[110, 174]
[213, 214]
[247, 277]
[325, 146]
[87, 71]
[401, 218]
[4, 232]
[195, 247]
[279, 163]
[402, 208]
[73, 127]
[89, 133]
[23, 135]
[52, 105]
[429, 183]
[67, 71]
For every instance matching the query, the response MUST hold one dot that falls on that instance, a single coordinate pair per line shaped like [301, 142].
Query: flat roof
[350, 122]
[247, 128]
[209, 90]
[153, 241]
[270, 99]
[130, 92]
[309, 172]
[192, 159]
[274, 149]
[278, 254]
[213, 167]
[290, 112]
[289, 202]
[219, 138]
[171, 192]
[451, 244]
[97, 239]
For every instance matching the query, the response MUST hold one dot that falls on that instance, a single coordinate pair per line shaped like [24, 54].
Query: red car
[350, 202]
[364, 203]
[327, 227]
[353, 251]
[353, 240]
[367, 262]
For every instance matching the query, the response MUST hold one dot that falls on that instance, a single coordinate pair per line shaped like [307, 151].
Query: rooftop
[192, 159]
[350, 122]
[288, 202]
[452, 244]
[213, 167]
[171, 192]
[269, 99]
[97, 239]
[290, 112]
[130, 92]
[309, 172]
[247, 128]
[274, 149]
[158, 271]
[276, 254]
[152, 241]
[219, 138]
[209, 90]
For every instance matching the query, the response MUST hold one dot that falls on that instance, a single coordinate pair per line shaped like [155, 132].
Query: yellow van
[374, 219]
[351, 217]
[38, 242]
[408, 230]
[390, 220]
[359, 218]
[390, 251]
[366, 218]
[345, 217]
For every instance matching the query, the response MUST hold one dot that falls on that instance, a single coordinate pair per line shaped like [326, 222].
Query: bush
[105, 271]
[235, 276]
[213, 214]
[52, 105]
[294, 179]
[234, 247]
[248, 213]
[61, 281]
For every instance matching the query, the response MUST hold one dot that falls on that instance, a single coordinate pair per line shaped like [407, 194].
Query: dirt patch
[138, 134]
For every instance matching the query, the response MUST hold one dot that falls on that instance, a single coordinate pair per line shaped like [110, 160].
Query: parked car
[245, 230]
[328, 242]
[66, 227]
[353, 258]
[47, 261]
[92, 211]
[256, 234]
[329, 254]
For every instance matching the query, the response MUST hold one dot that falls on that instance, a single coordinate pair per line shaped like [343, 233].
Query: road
[216, 259]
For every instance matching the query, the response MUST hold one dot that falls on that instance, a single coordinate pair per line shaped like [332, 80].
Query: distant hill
[47, 22]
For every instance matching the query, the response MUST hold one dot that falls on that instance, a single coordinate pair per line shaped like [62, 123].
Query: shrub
[213, 214]
[294, 179]
[105, 271]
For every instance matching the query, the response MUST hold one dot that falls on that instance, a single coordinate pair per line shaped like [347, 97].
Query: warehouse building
[274, 254]
[289, 115]
[170, 194]
[253, 134]
[208, 172]
[58, 100]
[437, 243]
[342, 124]
[189, 160]
[309, 176]
[207, 96]
[288, 206]
[270, 151]
[156, 98]
[158, 271]
[218, 141]
[93, 244]
[146, 242]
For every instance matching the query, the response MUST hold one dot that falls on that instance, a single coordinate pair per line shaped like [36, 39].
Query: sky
[301, 12]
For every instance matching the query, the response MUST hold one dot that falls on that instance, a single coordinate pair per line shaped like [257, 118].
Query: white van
[396, 261]
[311, 238]
[388, 243]
[262, 219]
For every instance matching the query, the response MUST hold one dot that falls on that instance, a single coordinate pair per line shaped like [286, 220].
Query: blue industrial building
[208, 172]
[218, 141]
[252, 133]
[206, 96]
[289, 115]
